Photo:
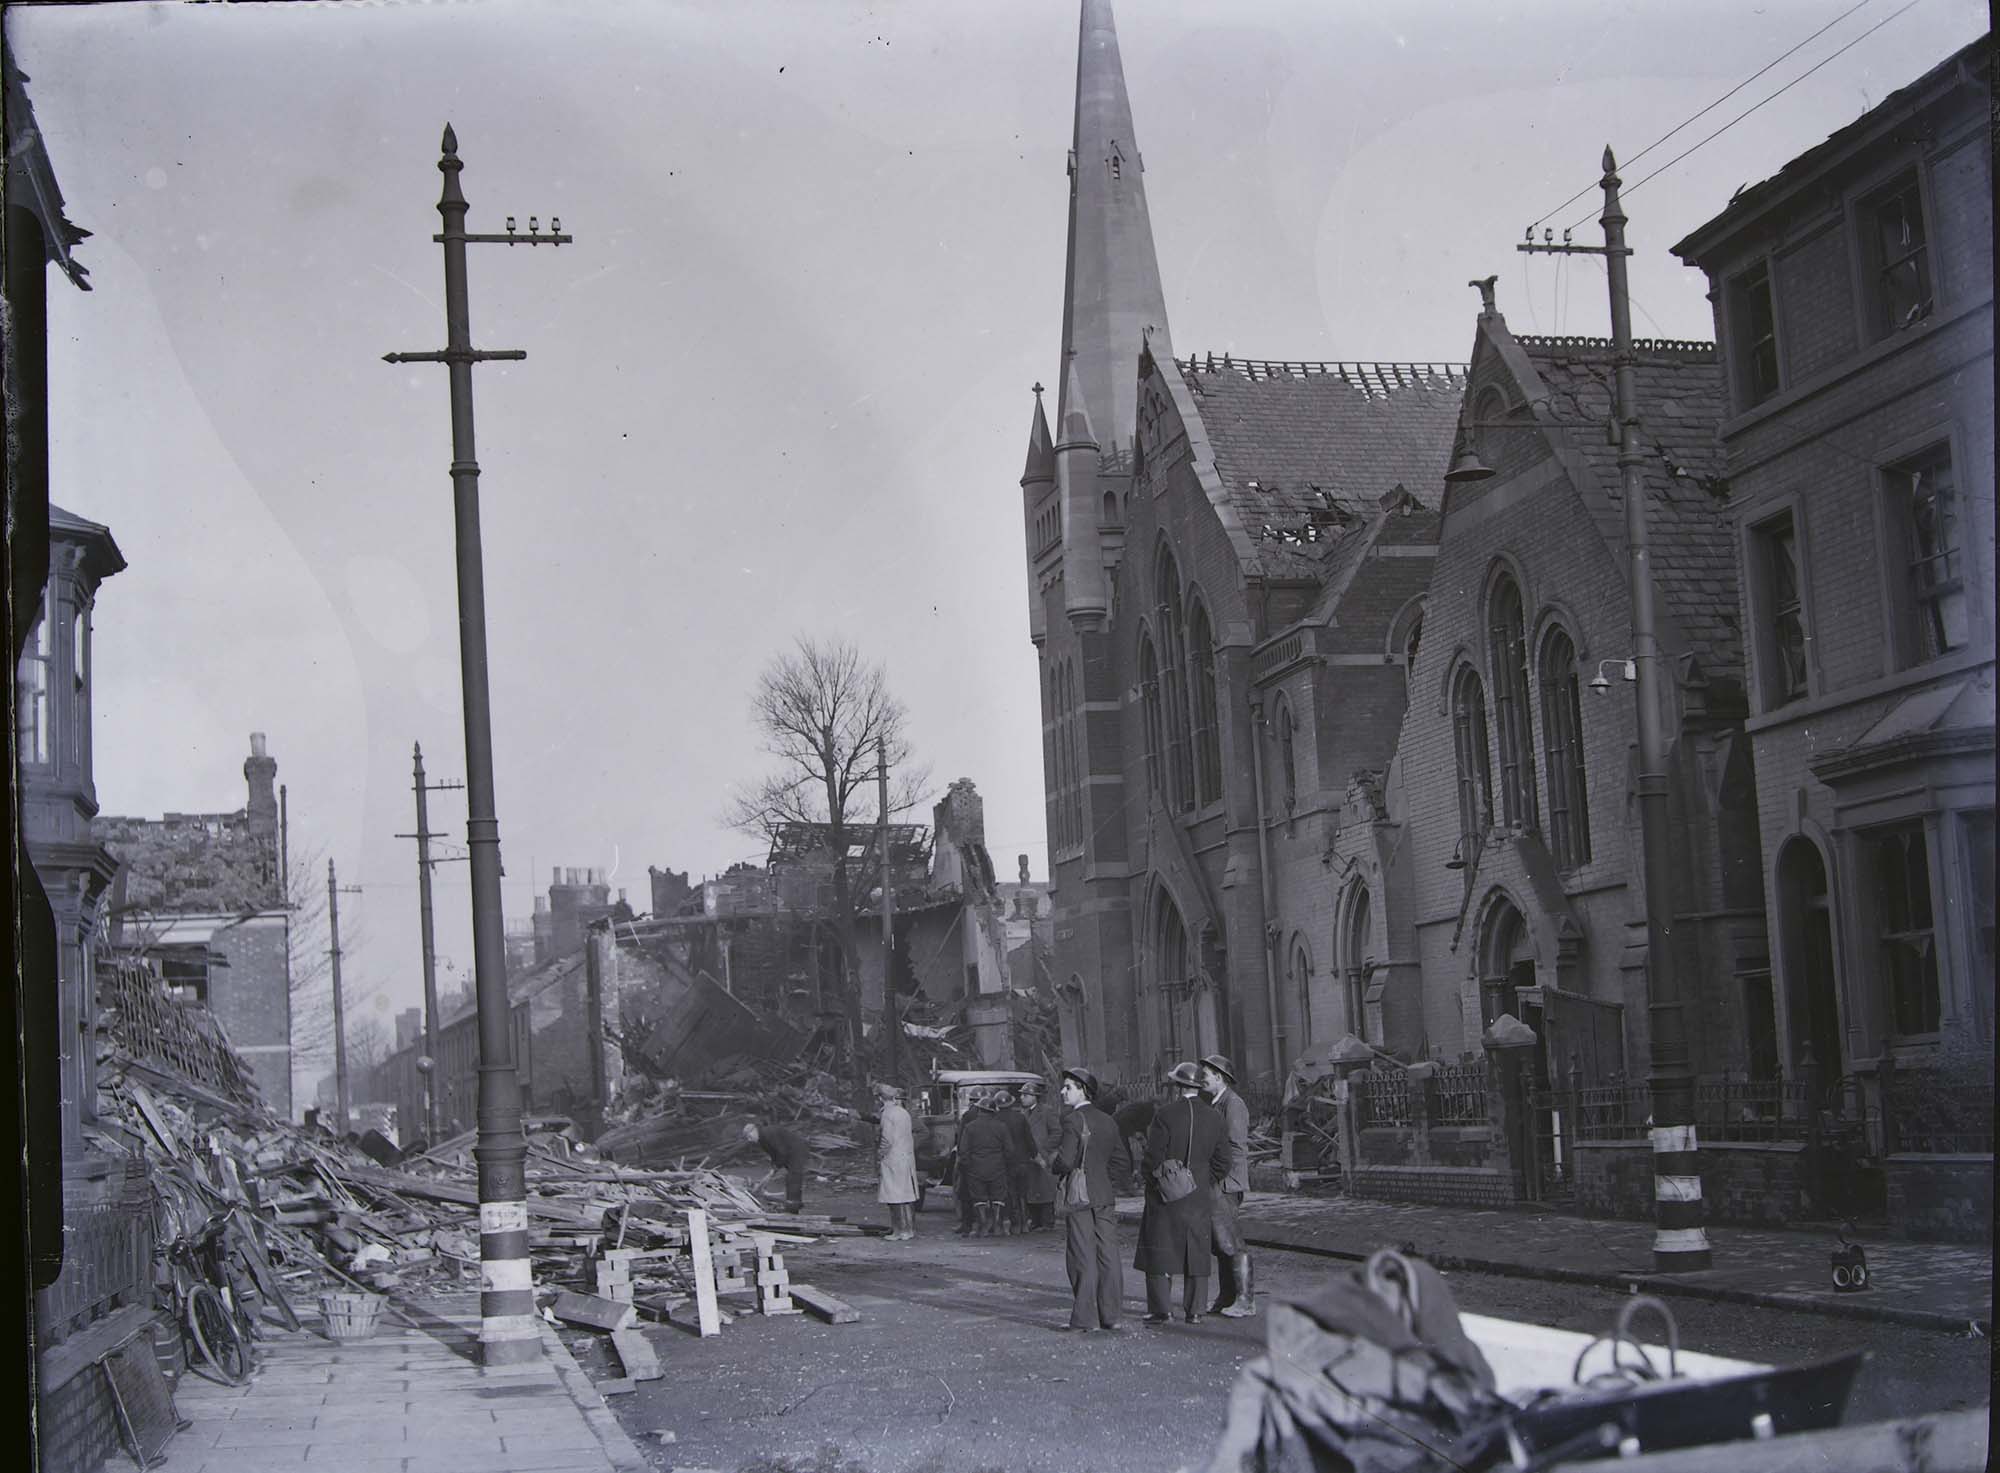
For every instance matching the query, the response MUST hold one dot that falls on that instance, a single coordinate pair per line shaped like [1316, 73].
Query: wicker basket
[350, 1316]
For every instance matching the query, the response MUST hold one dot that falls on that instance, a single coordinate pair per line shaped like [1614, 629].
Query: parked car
[939, 1107]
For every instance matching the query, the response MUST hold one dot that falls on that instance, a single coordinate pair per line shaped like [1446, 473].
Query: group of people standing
[1190, 1219]
[1005, 1143]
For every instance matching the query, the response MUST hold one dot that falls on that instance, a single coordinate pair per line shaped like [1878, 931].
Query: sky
[779, 384]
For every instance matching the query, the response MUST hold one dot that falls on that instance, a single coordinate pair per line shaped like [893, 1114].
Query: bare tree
[827, 719]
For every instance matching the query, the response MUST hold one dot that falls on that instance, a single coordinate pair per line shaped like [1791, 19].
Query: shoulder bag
[1076, 1184]
[1172, 1178]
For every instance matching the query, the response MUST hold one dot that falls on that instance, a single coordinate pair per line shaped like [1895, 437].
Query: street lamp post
[508, 1328]
[1680, 1244]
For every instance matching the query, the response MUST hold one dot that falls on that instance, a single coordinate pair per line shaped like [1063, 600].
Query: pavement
[409, 1399]
[1924, 1285]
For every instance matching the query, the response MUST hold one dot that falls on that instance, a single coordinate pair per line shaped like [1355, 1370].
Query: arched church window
[1173, 678]
[1149, 701]
[1207, 739]
[1475, 771]
[1562, 740]
[1507, 650]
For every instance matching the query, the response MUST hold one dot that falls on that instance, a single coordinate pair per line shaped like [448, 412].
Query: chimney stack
[260, 772]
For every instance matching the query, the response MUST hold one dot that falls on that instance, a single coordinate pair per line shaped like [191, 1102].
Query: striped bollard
[1680, 1244]
[509, 1333]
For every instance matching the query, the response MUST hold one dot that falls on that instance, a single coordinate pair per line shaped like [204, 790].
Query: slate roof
[1681, 403]
[1306, 451]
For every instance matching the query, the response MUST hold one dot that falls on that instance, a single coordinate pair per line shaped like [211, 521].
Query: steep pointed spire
[1112, 290]
[1041, 467]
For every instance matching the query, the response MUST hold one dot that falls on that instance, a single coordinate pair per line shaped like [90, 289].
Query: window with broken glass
[1899, 256]
[1207, 738]
[1924, 518]
[1899, 860]
[1753, 330]
[1777, 584]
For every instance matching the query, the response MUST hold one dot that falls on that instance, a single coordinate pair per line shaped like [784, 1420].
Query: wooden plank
[573, 1308]
[636, 1355]
[620, 1386]
[64, 1359]
[704, 1273]
[833, 1311]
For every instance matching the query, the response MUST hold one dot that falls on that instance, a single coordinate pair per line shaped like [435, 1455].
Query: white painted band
[1680, 1240]
[1676, 1189]
[503, 1217]
[1673, 1138]
[506, 1273]
[509, 1327]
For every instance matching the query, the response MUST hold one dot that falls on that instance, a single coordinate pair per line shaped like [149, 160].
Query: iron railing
[1381, 1098]
[1458, 1094]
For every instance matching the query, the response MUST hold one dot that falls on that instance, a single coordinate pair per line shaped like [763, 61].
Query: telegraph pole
[890, 1026]
[1680, 1244]
[509, 1331]
[340, 1095]
[423, 836]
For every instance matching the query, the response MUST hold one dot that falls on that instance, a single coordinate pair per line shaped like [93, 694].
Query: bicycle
[208, 1313]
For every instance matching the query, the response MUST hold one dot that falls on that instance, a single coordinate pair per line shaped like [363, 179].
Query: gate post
[1509, 1112]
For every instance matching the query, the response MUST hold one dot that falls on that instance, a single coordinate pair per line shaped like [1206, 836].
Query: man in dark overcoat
[1022, 1159]
[786, 1148]
[1175, 1237]
[1089, 1142]
[1234, 1294]
[985, 1164]
[968, 1216]
[1044, 1125]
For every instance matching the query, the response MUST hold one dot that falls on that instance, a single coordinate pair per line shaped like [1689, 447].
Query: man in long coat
[896, 1160]
[1089, 1142]
[786, 1148]
[968, 1216]
[1044, 1127]
[1234, 1294]
[1175, 1237]
[986, 1155]
[1016, 1120]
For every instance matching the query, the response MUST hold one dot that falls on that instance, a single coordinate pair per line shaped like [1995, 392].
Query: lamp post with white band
[509, 1332]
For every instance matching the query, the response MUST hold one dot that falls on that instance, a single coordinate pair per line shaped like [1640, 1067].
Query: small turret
[1038, 477]
[1086, 596]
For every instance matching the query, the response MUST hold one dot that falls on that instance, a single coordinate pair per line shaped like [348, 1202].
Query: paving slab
[414, 1403]
[1925, 1285]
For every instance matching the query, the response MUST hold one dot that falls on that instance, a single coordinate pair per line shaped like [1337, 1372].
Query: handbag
[1172, 1178]
[1076, 1184]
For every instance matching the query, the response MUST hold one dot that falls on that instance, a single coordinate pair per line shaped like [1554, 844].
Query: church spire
[1111, 297]
[1112, 288]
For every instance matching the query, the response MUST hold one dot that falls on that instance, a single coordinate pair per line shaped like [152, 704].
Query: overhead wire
[1695, 117]
[1630, 189]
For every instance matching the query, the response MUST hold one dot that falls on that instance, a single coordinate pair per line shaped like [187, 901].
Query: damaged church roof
[1305, 452]
[1681, 402]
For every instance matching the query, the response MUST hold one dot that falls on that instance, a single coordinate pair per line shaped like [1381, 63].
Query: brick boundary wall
[1437, 1186]
[1941, 1199]
[1752, 1184]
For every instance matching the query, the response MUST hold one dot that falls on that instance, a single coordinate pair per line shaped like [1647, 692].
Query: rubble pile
[655, 1123]
[609, 1243]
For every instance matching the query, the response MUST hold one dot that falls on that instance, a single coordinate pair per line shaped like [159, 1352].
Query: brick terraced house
[201, 897]
[1853, 296]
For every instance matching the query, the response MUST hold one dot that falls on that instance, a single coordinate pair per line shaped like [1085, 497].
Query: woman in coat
[1175, 1237]
[896, 1156]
